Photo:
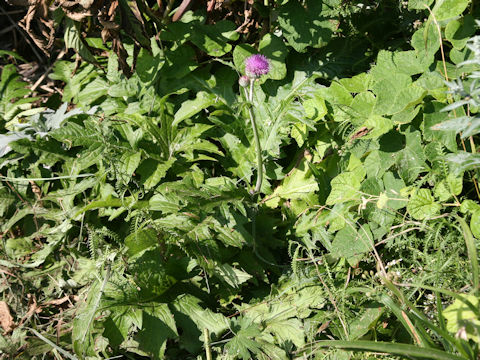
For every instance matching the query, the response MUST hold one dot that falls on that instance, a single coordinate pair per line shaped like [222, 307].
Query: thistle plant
[255, 66]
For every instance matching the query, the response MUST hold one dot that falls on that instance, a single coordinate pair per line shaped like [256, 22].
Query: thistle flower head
[257, 65]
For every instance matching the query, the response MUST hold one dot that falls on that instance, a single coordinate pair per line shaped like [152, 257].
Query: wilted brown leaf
[6, 320]
[38, 25]
[58, 301]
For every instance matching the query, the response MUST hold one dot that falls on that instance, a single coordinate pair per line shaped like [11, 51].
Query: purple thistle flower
[257, 65]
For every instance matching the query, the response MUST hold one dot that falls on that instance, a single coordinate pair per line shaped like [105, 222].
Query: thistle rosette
[256, 66]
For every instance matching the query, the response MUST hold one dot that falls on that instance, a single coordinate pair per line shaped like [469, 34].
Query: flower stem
[257, 140]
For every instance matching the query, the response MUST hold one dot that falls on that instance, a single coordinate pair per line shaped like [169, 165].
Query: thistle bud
[244, 81]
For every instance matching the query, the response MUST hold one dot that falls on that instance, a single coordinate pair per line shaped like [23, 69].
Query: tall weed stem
[257, 139]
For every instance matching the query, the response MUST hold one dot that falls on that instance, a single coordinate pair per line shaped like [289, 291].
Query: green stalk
[257, 140]
[206, 342]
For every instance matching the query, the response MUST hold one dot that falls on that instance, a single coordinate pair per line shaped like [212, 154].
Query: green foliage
[132, 197]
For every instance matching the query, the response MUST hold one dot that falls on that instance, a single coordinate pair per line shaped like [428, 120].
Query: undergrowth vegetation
[131, 226]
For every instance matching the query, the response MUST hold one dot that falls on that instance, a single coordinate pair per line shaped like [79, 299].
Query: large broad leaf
[403, 62]
[232, 276]
[244, 340]
[446, 9]
[463, 161]
[128, 164]
[12, 93]
[305, 26]
[201, 317]
[119, 323]
[298, 184]
[158, 325]
[141, 240]
[150, 274]
[460, 316]
[345, 187]
[422, 205]
[411, 160]
[352, 244]
[396, 93]
[192, 107]
[459, 31]
[289, 330]
[81, 335]
[152, 171]
[6, 199]
[213, 40]
[366, 321]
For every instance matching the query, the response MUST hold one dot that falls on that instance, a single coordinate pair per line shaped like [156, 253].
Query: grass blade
[390, 348]
[472, 252]
[53, 345]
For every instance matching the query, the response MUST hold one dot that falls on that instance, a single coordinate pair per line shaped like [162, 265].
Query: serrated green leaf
[192, 107]
[411, 160]
[298, 184]
[148, 270]
[202, 317]
[448, 187]
[287, 330]
[129, 163]
[345, 187]
[422, 205]
[141, 240]
[232, 276]
[243, 344]
[396, 93]
[352, 244]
